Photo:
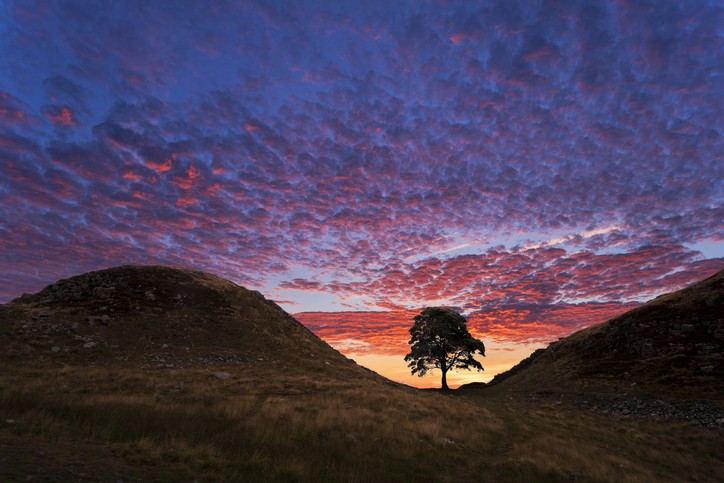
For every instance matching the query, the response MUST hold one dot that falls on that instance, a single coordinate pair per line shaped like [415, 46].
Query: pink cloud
[60, 116]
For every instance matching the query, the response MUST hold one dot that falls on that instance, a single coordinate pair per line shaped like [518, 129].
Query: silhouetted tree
[440, 339]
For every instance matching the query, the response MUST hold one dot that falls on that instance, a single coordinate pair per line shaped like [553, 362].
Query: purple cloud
[543, 158]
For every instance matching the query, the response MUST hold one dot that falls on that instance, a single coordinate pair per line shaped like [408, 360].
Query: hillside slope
[672, 345]
[156, 317]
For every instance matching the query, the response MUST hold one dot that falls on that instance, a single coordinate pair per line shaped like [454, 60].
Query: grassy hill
[671, 346]
[158, 317]
[165, 374]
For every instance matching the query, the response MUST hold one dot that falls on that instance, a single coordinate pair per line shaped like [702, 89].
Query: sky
[539, 165]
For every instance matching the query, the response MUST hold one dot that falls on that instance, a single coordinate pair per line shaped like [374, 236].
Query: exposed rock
[89, 345]
[222, 375]
[653, 409]
[54, 329]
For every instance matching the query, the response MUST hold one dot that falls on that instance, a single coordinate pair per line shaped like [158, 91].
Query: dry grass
[187, 424]
[249, 427]
[590, 446]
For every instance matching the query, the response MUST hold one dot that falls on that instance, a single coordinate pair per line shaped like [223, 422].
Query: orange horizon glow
[499, 358]
[379, 340]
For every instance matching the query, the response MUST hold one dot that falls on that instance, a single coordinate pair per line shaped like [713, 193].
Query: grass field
[109, 425]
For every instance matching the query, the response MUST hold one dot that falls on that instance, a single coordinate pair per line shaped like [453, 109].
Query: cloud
[377, 332]
[59, 115]
[13, 111]
[62, 89]
[540, 166]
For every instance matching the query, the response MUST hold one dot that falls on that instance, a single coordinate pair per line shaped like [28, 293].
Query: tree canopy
[440, 340]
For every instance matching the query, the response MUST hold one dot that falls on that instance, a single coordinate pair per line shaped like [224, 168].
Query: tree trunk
[443, 369]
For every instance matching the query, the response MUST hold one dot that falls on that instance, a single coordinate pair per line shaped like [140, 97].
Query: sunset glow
[541, 166]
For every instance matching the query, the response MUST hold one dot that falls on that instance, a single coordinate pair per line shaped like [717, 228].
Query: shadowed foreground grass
[101, 424]
[110, 424]
[193, 425]
[555, 437]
